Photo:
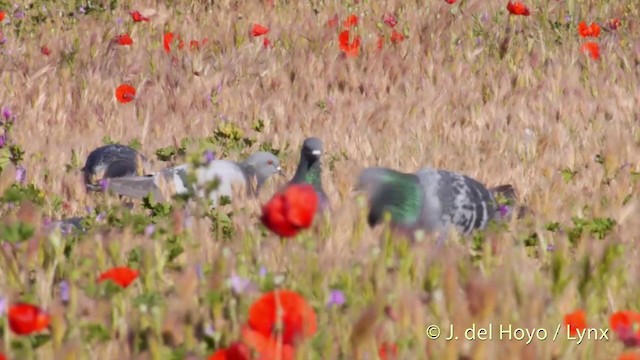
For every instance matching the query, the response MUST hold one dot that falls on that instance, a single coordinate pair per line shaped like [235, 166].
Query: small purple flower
[209, 156]
[21, 174]
[3, 40]
[219, 88]
[484, 17]
[3, 306]
[82, 10]
[478, 41]
[104, 184]
[239, 284]
[19, 15]
[64, 291]
[6, 112]
[47, 221]
[101, 217]
[119, 21]
[209, 330]
[263, 271]
[504, 209]
[3, 140]
[199, 272]
[149, 230]
[336, 298]
[88, 209]
[550, 247]
[567, 18]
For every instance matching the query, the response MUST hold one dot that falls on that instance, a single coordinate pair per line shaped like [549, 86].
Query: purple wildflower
[21, 174]
[119, 21]
[64, 291]
[199, 272]
[47, 221]
[336, 298]
[82, 10]
[149, 230]
[209, 156]
[6, 112]
[3, 40]
[263, 271]
[239, 284]
[3, 305]
[3, 140]
[484, 17]
[101, 217]
[104, 184]
[219, 88]
[550, 247]
[504, 209]
[209, 330]
[19, 15]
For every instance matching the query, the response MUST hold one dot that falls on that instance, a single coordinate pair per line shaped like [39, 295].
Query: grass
[505, 99]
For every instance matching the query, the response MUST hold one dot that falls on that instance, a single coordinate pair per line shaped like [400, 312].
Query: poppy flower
[282, 310]
[267, 347]
[167, 39]
[194, 45]
[390, 20]
[123, 39]
[592, 30]
[235, 351]
[626, 324]
[380, 42]
[592, 49]
[518, 8]
[388, 351]
[291, 210]
[137, 17]
[351, 21]
[266, 42]
[450, 1]
[25, 319]
[351, 49]
[2, 15]
[333, 22]
[629, 355]
[44, 50]
[396, 37]
[122, 276]
[259, 30]
[125, 93]
[575, 322]
[614, 24]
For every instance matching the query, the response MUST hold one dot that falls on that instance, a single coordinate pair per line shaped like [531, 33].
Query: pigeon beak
[317, 152]
[280, 171]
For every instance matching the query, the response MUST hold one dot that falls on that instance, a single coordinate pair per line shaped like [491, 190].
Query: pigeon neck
[309, 171]
[399, 194]
[250, 173]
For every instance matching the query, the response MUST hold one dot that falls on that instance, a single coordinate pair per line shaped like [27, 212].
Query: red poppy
[122, 276]
[388, 351]
[2, 15]
[591, 48]
[629, 355]
[518, 8]
[626, 324]
[592, 30]
[575, 321]
[396, 37]
[125, 93]
[137, 17]
[266, 42]
[180, 44]
[380, 42]
[267, 348]
[291, 210]
[282, 310]
[351, 49]
[235, 351]
[450, 1]
[166, 41]
[44, 50]
[390, 20]
[259, 30]
[3, 357]
[194, 45]
[333, 22]
[25, 319]
[123, 39]
[614, 24]
[352, 20]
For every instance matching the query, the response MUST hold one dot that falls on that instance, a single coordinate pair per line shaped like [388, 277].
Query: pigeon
[258, 167]
[112, 161]
[310, 170]
[431, 200]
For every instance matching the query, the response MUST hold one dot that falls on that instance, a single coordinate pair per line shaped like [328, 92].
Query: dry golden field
[470, 88]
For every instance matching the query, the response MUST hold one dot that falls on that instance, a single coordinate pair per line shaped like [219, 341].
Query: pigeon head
[312, 149]
[264, 165]
[371, 180]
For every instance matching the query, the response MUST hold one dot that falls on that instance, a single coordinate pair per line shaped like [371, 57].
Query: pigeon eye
[270, 162]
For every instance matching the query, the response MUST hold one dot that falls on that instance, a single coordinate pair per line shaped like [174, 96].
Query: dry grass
[444, 97]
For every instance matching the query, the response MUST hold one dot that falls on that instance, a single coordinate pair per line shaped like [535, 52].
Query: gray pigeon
[310, 169]
[112, 161]
[164, 184]
[431, 200]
